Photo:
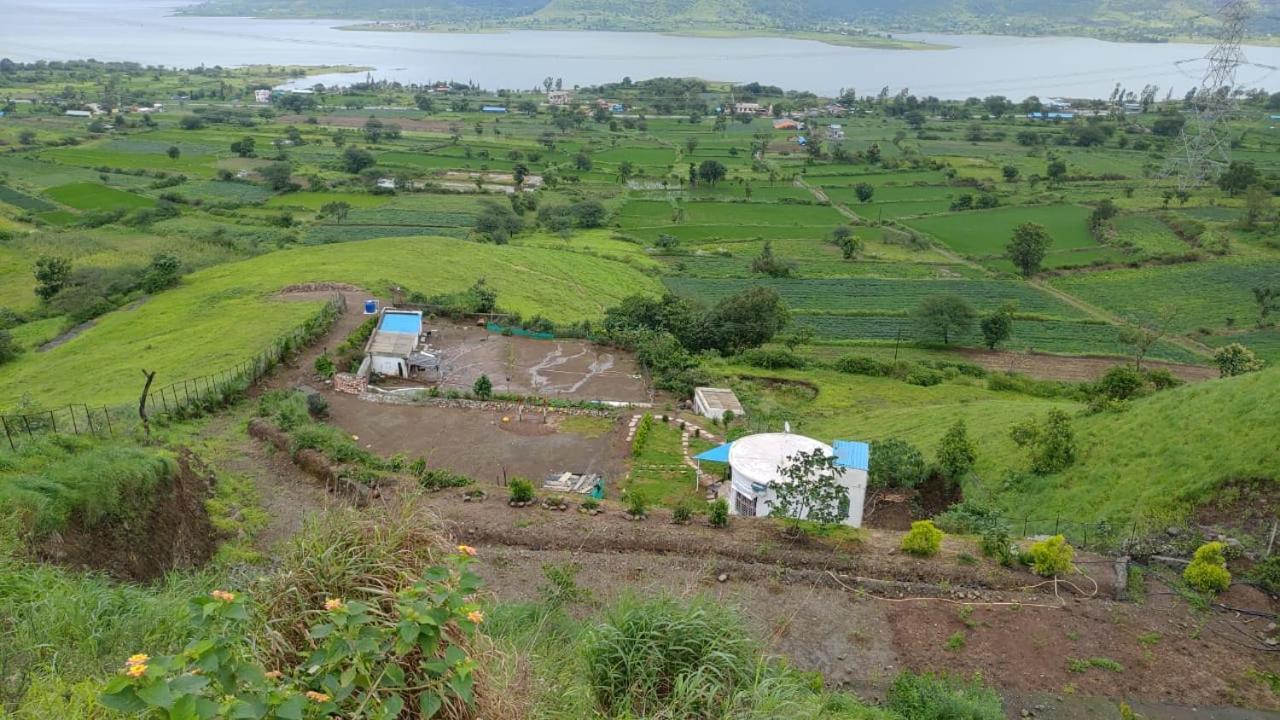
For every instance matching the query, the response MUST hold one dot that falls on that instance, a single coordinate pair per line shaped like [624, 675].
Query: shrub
[778, 359]
[483, 388]
[1122, 382]
[941, 697]
[682, 513]
[1208, 569]
[1267, 574]
[318, 406]
[923, 376]
[997, 545]
[956, 453]
[861, 365]
[590, 504]
[439, 478]
[521, 490]
[923, 540]
[325, 367]
[660, 658]
[1051, 442]
[641, 437]
[637, 503]
[1052, 557]
[895, 463]
[718, 513]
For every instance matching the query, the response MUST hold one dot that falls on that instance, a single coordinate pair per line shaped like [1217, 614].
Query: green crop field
[92, 196]
[228, 313]
[22, 200]
[987, 232]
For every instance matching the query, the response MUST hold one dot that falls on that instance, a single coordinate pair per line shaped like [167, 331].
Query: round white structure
[758, 458]
[755, 471]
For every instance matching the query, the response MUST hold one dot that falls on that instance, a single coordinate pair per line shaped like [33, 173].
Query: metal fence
[181, 399]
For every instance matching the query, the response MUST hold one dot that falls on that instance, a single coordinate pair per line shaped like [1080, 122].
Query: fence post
[74, 426]
[27, 424]
[1025, 520]
[106, 412]
[1057, 521]
[54, 421]
[1086, 535]
[88, 416]
[8, 434]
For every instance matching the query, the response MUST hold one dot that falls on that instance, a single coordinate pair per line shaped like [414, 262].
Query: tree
[1239, 176]
[691, 144]
[483, 387]
[191, 122]
[712, 171]
[582, 161]
[244, 146]
[337, 210]
[850, 245]
[1056, 171]
[997, 326]
[864, 191]
[355, 159]
[766, 263]
[814, 492]
[667, 242]
[519, 173]
[1267, 300]
[27, 137]
[1121, 382]
[589, 213]
[373, 129]
[1235, 359]
[945, 315]
[1142, 336]
[1028, 247]
[1102, 214]
[163, 273]
[279, 175]
[744, 320]
[9, 348]
[174, 152]
[498, 222]
[51, 275]
[956, 453]
[1051, 442]
[895, 464]
[915, 119]
[1010, 172]
[1257, 205]
[427, 104]
[482, 298]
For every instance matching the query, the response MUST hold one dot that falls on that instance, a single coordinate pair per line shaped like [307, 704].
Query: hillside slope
[220, 316]
[1165, 455]
[1134, 19]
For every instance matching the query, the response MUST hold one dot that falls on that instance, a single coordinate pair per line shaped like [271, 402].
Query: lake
[145, 31]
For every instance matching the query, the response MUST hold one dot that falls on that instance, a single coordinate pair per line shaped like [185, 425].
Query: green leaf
[454, 655]
[184, 709]
[408, 631]
[248, 708]
[124, 700]
[156, 695]
[462, 687]
[291, 709]
[320, 632]
[188, 684]
[393, 705]
[395, 676]
[429, 704]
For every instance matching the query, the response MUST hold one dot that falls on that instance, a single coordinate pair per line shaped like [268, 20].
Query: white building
[755, 470]
[396, 347]
[262, 96]
[559, 98]
[714, 402]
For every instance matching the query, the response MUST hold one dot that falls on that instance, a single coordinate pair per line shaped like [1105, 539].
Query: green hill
[1130, 19]
[222, 315]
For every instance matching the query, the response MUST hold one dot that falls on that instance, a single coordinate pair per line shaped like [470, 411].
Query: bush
[773, 359]
[1267, 574]
[325, 367]
[940, 697]
[1051, 557]
[439, 479]
[521, 490]
[923, 376]
[861, 365]
[641, 437]
[923, 540]
[895, 463]
[637, 503]
[1122, 382]
[718, 513]
[997, 545]
[317, 406]
[682, 513]
[1208, 569]
[660, 658]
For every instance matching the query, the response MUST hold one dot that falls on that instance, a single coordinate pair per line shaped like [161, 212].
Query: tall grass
[48, 481]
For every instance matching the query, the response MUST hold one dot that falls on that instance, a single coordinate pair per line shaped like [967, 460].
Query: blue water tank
[370, 307]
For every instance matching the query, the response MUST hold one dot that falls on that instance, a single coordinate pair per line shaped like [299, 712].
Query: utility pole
[1204, 149]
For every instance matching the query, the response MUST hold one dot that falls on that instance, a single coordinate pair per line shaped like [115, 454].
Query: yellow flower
[136, 671]
[223, 595]
[467, 550]
[317, 696]
[139, 659]
[475, 616]
[333, 604]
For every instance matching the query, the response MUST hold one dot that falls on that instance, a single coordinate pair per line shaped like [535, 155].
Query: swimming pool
[401, 322]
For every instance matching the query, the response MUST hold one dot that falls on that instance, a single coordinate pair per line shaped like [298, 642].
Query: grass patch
[95, 196]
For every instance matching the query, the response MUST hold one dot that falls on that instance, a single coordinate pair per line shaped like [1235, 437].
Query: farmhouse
[558, 98]
[747, 109]
[262, 96]
[755, 469]
[397, 346]
[786, 124]
[713, 403]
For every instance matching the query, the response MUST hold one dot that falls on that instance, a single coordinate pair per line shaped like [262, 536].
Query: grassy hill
[1134, 19]
[225, 314]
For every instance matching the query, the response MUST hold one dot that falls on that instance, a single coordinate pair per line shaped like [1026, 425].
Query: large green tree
[945, 316]
[1028, 247]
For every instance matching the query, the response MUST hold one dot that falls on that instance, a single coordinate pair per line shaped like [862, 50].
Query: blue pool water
[407, 323]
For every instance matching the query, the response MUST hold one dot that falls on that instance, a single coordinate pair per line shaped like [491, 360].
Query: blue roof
[493, 109]
[716, 454]
[852, 454]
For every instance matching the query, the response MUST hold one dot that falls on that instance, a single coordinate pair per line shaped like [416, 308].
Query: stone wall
[502, 406]
[350, 384]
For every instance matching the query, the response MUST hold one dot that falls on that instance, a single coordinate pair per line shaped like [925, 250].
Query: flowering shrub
[1208, 569]
[923, 540]
[367, 664]
[1051, 556]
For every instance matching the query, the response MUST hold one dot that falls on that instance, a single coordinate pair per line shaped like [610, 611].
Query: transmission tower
[1205, 146]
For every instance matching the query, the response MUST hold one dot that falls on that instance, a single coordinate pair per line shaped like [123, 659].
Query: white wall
[854, 480]
[392, 366]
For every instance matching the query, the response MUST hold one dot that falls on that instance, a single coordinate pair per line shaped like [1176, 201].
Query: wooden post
[8, 434]
[53, 421]
[1275, 524]
[142, 401]
[74, 426]
[88, 416]
[106, 412]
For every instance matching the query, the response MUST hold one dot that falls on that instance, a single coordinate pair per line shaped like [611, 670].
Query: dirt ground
[567, 369]
[477, 443]
[1072, 369]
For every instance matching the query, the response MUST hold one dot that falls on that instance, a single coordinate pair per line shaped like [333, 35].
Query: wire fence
[185, 398]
